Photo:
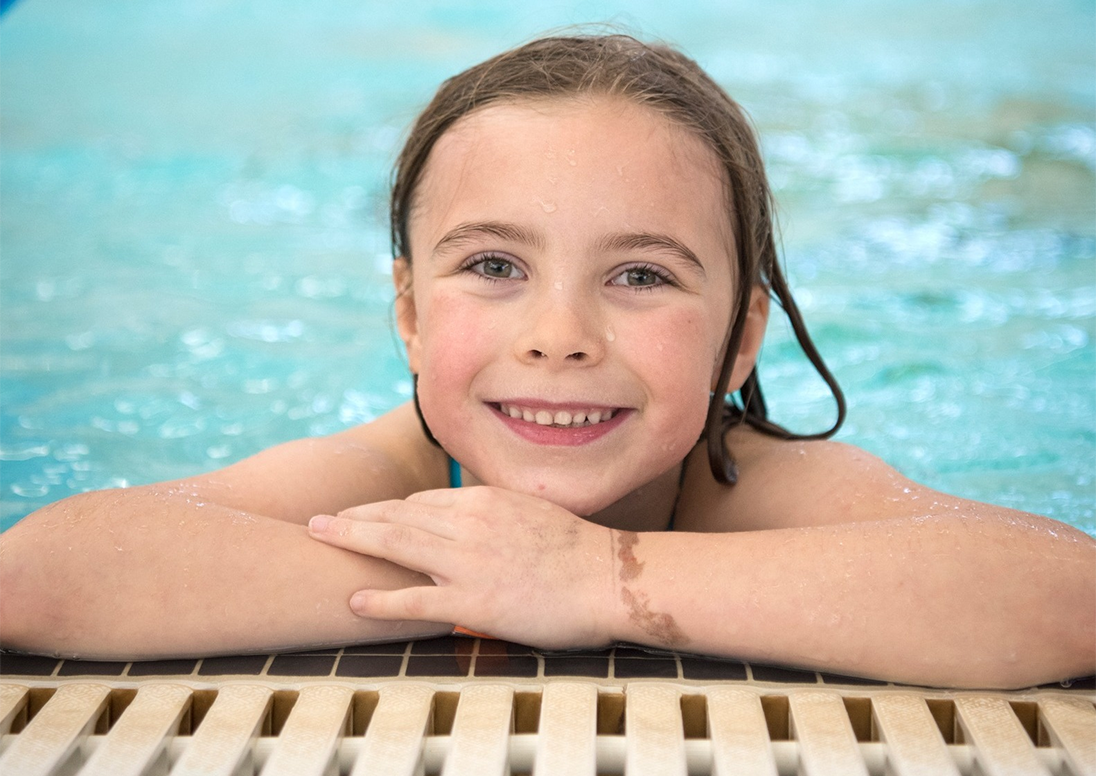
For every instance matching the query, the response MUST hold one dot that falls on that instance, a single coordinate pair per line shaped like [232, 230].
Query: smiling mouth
[556, 418]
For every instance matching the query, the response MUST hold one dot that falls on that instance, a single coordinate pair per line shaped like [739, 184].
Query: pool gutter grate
[552, 729]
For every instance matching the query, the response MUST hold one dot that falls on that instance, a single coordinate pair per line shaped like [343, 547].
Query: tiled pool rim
[447, 659]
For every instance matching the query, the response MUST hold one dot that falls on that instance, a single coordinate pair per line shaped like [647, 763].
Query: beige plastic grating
[548, 729]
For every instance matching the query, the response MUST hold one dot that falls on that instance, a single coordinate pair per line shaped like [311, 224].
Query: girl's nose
[561, 332]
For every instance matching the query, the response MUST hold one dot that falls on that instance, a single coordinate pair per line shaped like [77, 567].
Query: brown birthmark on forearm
[659, 626]
[630, 567]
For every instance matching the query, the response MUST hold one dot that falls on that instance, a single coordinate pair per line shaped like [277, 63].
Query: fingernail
[319, 523]
[357, 601]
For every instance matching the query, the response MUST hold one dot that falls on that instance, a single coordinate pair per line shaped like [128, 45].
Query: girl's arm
[989, 599]
[215, 564]
[851, 567]
[891, 580]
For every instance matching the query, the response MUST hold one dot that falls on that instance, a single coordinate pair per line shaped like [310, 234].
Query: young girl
[585, 263]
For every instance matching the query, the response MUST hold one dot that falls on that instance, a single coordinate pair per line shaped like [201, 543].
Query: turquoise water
[194, 264]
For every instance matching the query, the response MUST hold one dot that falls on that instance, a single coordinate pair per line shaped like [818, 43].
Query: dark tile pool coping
[450, 657]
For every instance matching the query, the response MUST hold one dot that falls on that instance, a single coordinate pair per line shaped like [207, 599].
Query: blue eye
[496, 268]
[642, 277]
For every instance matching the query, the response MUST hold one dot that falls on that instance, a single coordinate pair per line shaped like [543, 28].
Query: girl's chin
[578, 504]
[591, 497]
[576, 499]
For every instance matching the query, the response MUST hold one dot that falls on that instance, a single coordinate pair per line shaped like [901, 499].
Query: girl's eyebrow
[632, 241]
[623, 241]
[463, 233]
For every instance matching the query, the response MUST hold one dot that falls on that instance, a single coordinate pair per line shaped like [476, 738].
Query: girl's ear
[757, 318]
[407, 320]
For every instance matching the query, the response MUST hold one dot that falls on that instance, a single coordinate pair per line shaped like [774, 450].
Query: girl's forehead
[576, 121]
[608, 151]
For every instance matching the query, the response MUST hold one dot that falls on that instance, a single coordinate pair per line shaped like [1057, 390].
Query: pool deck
[476, 707]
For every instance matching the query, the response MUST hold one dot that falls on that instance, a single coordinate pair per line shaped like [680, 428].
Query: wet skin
[568, 258]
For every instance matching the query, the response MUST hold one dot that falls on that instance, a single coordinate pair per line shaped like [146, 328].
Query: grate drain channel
[561, 728]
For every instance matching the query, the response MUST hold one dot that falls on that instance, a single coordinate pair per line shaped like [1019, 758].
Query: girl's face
[569, 298]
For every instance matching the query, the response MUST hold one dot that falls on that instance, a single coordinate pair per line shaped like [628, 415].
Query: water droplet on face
[549, 207]
[571, 157]
[609, 333]
[558, 285]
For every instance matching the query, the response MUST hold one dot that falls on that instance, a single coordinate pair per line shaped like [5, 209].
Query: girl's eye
[640, 277]
[496, 268]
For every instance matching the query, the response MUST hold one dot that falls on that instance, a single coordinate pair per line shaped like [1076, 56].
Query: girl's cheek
[457, 340]
[684, 342]
[686, 350]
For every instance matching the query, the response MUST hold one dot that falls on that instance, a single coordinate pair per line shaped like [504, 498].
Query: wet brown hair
[663, 79]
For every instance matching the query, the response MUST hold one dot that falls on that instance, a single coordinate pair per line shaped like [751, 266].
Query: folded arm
[868, 575]
[220, 563]
[985, 601]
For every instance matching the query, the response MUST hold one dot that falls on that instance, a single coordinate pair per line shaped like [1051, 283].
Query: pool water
[194, 263]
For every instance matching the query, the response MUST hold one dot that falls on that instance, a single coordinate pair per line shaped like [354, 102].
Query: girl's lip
[569, 436]
[541, 404]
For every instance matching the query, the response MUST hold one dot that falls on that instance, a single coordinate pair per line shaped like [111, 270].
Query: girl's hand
[503, 563]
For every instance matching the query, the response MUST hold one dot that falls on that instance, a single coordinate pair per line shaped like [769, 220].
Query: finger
[445, 497]
[409, 603]
[425, 517]
[404, 545]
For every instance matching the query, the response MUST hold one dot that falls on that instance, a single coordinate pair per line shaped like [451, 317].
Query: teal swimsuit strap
[454, 473]
[677, 498]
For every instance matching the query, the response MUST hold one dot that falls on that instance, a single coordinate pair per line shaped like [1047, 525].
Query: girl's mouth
[578, 418]
[559, 427]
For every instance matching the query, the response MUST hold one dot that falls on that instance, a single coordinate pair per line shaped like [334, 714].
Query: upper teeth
[557, 418]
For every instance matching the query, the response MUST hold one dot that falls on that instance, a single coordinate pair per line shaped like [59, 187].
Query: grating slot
[362, 708]
[36, 700]
[13, 707]
[859, 712]
[943, 714]
[200, 704]
[610, 713]
[1028, 715]
[445, 711]
[694, 716]
[777, 716]
[281, 707]
[527, 709]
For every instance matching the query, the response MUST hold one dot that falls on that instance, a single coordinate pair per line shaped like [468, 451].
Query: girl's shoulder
[386, 458]
[795, 483]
